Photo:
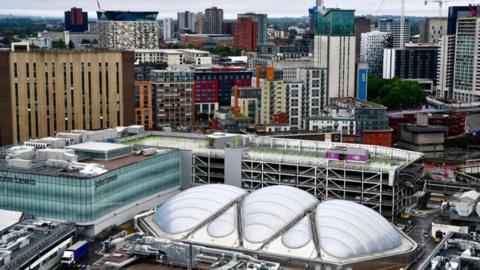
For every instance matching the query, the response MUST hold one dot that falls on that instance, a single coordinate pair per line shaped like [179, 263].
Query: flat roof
[98, 147]
[172, 142]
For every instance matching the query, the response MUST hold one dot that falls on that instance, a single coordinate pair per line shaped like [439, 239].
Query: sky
[274, 8]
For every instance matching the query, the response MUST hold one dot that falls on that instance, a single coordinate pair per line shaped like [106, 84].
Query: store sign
[16, 180]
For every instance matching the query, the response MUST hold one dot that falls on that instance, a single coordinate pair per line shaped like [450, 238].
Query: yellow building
[273, 93]
[45, 92]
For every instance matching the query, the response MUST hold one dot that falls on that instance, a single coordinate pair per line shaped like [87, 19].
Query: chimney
[422, 119]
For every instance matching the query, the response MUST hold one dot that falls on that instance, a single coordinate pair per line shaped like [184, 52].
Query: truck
[74, 252]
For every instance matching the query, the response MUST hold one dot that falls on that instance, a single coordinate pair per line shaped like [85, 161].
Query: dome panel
[267, 211]
[224, 225]
[346, 229]
[187, 210]
[299, 235]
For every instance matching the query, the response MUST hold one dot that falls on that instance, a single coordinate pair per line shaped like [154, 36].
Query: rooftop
[98, 147]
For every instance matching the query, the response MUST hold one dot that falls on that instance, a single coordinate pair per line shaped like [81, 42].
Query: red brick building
[245, 34]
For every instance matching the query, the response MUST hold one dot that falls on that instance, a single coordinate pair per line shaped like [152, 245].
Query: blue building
[362, 81]
[76, 20]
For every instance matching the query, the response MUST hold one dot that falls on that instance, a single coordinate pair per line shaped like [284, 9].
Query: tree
[58, 44]
[395, 93]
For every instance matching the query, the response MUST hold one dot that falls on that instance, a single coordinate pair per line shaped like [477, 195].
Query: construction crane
[440, 5]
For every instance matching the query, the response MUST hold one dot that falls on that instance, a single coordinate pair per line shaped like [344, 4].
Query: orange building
[144, 104]
[378, 137]
[245, 34]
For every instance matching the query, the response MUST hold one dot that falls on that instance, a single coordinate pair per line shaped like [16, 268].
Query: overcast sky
[169, 8]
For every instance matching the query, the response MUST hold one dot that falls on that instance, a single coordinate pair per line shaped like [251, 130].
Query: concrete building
[433, 30]
[380, 181]
[362, 25]
[45, 92]
[334, 49]
[128, 30]
[171, 57]
[106, 183]
[76, 20]
[262, 23]
[422, 137]
[213, 20]
[274, 96]
[145, 105]
[200, 24]
[273, 225]
[393, 27]
[245, 34]
[174, 97]
[413, 62]
[467, 68]
[168, 29]
[249, 102]
[372, 49]
[367, 121]
[186, 21]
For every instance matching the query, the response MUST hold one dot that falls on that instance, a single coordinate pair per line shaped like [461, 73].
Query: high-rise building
[274, 95]
[186, 21]
[262, 23]
[466, 88]
[128, 30]
[76, 20]
[433, 30]
[249, 102]
[362, 25]
[167, 29]
[446, 56]
[245, 34]
[393, 27]
[213, 20]
[334, 49]
[200, 23]
[414, 61]
[45, 92]
[174, 97]
[306, 97]
[371, 50]
[227, 28]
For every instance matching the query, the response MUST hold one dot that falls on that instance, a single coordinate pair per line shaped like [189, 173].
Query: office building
[214, 86]
[76, 20]
[433, 30]
[245, 34]
[295, 91]
[372, 48]
[367, 121]
[213, 20]
[200, 24]
[105, 183]
[45, 92]
[174, 97]
[274, 225]
[128, 30]
[274, 96]
[252, 162]
[168, 29]
[362, 25]
[334, 50]
[446, 55]
[393, 27]
[262, 23]
[171, 57]
[186, 21]
[227, 28]
[414, 61]
[145, 106]
[467, 68]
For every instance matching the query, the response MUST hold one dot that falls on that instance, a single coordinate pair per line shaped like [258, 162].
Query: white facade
[198, 57]
[295, 91]
[371, 50]
[389, 63]
[167, 29]
[337, 55]
[446, 60]
[344, 126]
[153, 56]
[128, 35]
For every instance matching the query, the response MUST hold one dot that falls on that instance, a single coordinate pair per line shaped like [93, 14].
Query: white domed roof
[189, 209]
[346, 229]
[269, 210]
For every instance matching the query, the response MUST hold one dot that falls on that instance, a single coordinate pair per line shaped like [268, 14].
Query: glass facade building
[335, 22]
[85, 199]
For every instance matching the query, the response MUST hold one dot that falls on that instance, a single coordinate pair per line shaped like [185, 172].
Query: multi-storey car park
[378, 177]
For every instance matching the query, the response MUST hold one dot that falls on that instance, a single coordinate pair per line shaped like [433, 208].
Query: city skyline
[169, 8]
